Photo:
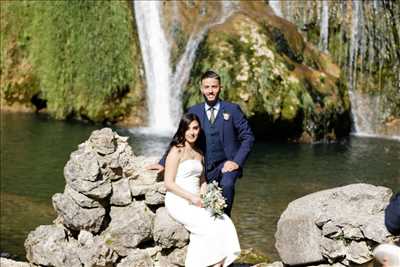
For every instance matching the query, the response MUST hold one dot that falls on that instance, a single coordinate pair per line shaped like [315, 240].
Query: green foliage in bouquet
[213, 200]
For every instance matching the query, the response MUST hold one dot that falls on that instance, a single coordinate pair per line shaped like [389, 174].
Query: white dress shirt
[208, 111]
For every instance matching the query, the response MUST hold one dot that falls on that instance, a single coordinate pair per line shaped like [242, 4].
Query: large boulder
[82, 173]
[4, 262]
[93, 251]
[167, 232]
[51, 245]
[75, 217]
[336, 225]
[129, 226]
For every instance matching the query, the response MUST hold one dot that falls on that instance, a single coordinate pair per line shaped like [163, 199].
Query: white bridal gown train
[211, 239]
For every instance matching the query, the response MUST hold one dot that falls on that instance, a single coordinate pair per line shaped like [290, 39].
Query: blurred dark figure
[389, 254]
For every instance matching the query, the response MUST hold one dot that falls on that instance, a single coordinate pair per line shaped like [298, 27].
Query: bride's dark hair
[179, 137]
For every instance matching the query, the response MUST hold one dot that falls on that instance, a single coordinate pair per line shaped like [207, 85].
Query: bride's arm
[171, 167]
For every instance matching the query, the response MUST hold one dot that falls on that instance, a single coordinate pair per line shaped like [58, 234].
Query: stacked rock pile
[110, 214]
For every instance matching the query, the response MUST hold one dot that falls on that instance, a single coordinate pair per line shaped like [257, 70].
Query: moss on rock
[267, 74]
[83, 57]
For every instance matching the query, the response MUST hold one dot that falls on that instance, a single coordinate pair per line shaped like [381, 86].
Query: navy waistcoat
[214, 147]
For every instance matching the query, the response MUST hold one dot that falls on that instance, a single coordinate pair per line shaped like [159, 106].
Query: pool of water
[34, 150]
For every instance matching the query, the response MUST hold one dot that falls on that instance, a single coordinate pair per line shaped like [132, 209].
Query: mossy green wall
[83, 56]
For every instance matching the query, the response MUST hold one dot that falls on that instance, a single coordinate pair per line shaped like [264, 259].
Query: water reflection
[34, 150]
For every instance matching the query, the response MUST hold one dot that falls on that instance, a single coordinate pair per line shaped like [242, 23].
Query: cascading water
[324, 28]
[156, 58]
[184, 66]
[276, 7]
[365, 44]
[164, 87]
[352, 64]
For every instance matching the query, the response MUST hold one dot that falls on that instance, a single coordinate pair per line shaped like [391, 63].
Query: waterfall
[324, 26]
[164, 87]
[156, 58]
[352, 64]
[185, 63]
[276, 7]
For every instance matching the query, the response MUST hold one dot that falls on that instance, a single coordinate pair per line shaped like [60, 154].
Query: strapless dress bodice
[188, 175]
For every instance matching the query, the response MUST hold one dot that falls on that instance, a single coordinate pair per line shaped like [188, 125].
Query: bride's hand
[195, 200]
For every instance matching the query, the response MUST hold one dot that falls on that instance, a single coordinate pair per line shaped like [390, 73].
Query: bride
[213, 241]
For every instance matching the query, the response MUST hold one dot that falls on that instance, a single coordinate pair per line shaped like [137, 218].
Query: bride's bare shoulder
[175, 152]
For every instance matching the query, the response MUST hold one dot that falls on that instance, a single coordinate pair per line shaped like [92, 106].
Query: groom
[227, 138]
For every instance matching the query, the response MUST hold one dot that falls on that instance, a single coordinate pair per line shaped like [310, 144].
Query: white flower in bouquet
[213, 200]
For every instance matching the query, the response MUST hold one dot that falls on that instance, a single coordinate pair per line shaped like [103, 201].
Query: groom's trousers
[226, 181]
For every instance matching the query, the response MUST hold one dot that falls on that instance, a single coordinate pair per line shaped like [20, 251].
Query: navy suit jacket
[392, 215]
[234, 131]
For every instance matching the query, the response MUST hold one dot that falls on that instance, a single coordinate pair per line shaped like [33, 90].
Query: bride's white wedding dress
[211, 239]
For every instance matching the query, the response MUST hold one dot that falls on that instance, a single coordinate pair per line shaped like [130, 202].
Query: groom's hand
[155, 167]
[230, 166]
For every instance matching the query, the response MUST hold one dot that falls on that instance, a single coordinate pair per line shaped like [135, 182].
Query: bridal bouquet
[213, 199]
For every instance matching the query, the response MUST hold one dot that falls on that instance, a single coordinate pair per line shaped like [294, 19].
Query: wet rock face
[339, 225]
[282, 83]
[111, 212]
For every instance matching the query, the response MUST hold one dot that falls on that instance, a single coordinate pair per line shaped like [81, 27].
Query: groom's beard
[211, 103]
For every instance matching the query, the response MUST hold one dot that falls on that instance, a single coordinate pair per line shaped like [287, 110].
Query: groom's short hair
[210, 74]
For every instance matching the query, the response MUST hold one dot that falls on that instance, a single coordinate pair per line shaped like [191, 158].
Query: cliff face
[291, 73]
[362, 37]
[286, 86]
[74, 60]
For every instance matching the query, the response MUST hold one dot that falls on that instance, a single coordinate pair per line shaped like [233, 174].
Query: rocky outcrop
[110, 214]
[336, 226]
[286, 86]
[4, 262]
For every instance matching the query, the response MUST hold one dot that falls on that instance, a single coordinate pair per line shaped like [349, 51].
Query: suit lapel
[220, 121]
[203, 116]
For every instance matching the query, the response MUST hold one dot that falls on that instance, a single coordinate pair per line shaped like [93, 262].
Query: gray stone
[333, 250]
[48, 245]
[121, 195]
[141, 187]
[154, 198]
[353, 212]
[11, 263]
[330, 229]
[82, 173]
[102, 141]
[352, 232]
[167, 232]
[138, 258]
[156, 194]
[177, 256]
[374, 228]
[359, 252]
[336, 264]
[93, 251]
[75, 217]
[298, 241]
[129, 226]
[80, 199]
[274, 264]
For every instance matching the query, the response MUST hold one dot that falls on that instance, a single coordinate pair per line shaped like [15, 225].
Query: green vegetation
[81, 57]
[268, 76]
